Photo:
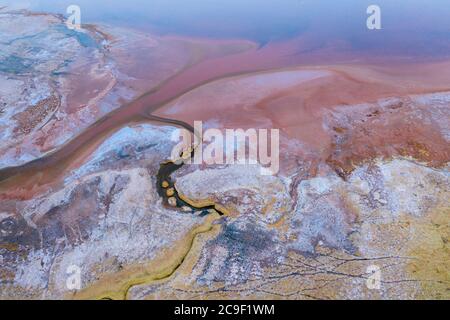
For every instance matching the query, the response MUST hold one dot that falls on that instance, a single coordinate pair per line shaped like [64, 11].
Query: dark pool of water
[409, 27]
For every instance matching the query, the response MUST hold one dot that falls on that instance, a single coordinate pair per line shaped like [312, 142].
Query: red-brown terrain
[364, 168]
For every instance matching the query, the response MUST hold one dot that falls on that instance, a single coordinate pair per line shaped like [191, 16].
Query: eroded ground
[364, 180]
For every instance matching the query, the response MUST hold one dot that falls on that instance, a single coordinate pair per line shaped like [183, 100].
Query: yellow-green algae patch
[431, 251]
[187, 270]
[117, 285]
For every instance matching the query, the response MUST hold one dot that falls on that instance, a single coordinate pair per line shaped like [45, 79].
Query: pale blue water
[409, 27]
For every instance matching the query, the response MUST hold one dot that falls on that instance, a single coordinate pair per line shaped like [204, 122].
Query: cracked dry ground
[373, 192]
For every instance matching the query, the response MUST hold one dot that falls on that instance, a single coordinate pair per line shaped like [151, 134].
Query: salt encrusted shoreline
[374, 192]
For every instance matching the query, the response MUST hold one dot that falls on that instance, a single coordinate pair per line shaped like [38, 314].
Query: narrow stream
[167, 190]
[166, 185]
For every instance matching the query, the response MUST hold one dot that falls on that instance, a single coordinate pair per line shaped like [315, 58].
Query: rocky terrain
[364, 181]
